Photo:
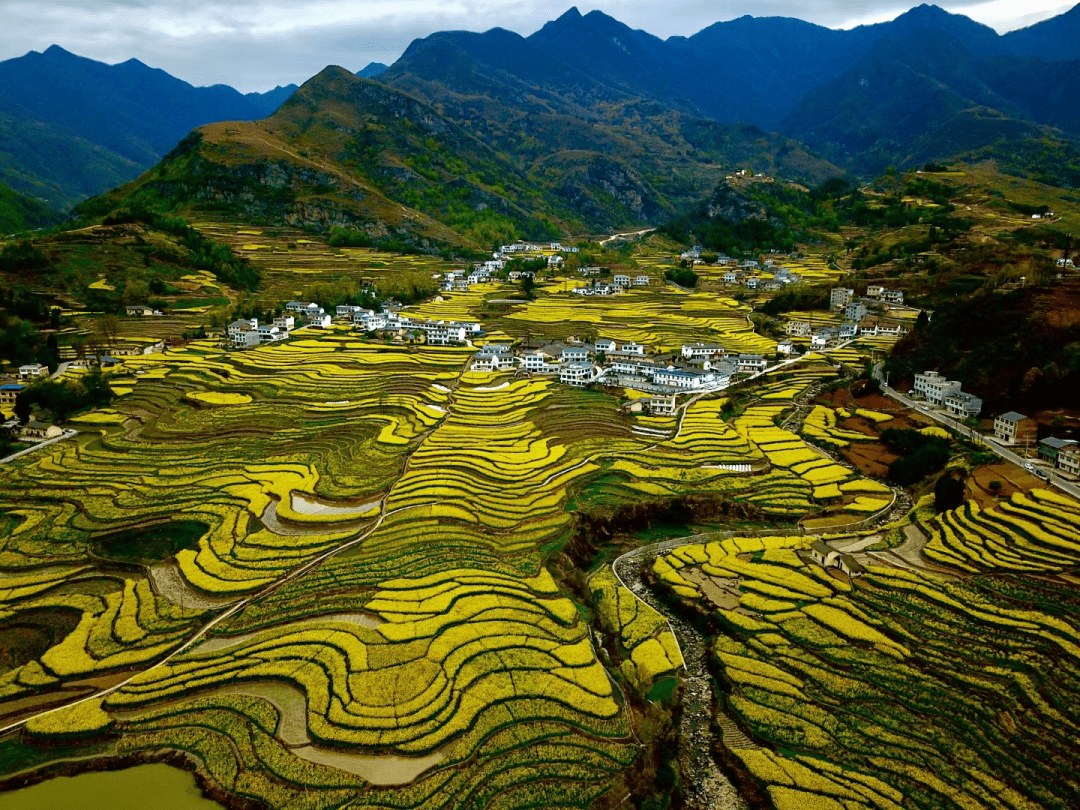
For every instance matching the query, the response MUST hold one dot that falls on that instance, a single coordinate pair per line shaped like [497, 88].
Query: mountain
[368, 155]
[1055, 39]
[915, 98]
[803, 80]
[372, 70]
[19, 213]
[117, 120]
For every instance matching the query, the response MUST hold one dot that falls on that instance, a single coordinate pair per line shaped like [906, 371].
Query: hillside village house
[41, 431]
[136, 350]
[632, 348]
[605, 346]
[874, 291]
[751, 363]
[731, 277]
[641, 281]
[33, 371]
[685, 380]
[933, 387]
[285, 322]
[848, 329]
[244, 333]
[142, 310]
[9, 392]
[268, 333]
[785, 346]
[575, 354]
[691, 351]
[621, 280]
[855, 311]
[798, 328]
[495, 357]
[662, 406]
[1068, 459]
[893, 296]
[1050, 448]
[577, 373]
[962, 405]
[840, 297]
[1016, 429]
[823, 337]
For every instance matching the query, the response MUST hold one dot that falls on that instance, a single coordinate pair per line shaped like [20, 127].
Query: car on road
[1029, 467]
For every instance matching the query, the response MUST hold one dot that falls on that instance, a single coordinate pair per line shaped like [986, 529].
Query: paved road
[67, 435]
[60, 369]
[987, 441]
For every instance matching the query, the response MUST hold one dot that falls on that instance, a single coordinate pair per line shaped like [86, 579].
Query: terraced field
[900, 689]
[322, 569]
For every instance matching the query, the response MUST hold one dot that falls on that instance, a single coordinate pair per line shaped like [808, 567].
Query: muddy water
[144, 787]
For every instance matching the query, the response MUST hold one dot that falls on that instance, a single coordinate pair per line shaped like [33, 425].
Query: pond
[143, 787]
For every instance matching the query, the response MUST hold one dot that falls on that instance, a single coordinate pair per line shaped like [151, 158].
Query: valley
[582, 419]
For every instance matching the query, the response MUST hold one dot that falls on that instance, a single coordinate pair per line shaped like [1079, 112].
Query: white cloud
[257, 44]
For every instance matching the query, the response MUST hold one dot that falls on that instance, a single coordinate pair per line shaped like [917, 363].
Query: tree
[528, 287]
[22, 408]
[995, 487]
[948, 493]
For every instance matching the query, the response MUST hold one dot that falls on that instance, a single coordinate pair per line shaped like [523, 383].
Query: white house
[731, 277]
[621, 280]
[285, 322]
[577, 373]
[672, 377]
[823, 337]
[33, 370]
[848, 329]
[574, 354]
[785, 346]
[752, 283]
[641, 281]
[892, 296]
[662, 406]
[447, 334]
[797, 328]
[318, 319]
[268, 333]
[300, 307]
[933, 387]
[244, 333]
[539, 362]
[605, 345]
[695, 350]
[874, 291]
[632, 348]
[751, 363]
[347, 310]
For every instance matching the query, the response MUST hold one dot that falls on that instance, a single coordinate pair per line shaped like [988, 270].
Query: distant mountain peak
[372, 70]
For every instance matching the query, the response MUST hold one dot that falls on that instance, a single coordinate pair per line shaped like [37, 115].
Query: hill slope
[350, 151]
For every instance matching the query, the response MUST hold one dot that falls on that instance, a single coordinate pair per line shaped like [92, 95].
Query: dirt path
[707, 787]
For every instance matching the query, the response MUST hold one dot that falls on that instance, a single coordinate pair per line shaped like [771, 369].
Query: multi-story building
[751, 363]
[1068, 459]
[32, 371]
[962, 406]
[797, 328]
[577, 374]
[855, 311]
[892, 296]
[1016, 429]
[244, 332]
[840, 297]
[692, 350]
[874, 291]
[933, 387]
[1050, 448]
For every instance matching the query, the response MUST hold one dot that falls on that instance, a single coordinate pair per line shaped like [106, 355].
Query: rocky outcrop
[732, 205]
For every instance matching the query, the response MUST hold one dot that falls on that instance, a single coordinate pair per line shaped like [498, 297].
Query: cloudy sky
[258, 44]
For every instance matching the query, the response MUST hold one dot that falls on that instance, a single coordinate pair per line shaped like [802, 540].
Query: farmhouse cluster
[698, 367]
